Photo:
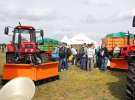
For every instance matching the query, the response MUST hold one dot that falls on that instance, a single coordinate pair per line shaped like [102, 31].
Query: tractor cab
[24, 39]
[23, 47]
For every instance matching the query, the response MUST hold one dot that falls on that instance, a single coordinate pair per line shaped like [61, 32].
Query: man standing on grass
[103, 54]
[68, 54]
[83, 56]
[74, 53]
[62, 55]
[90, 55]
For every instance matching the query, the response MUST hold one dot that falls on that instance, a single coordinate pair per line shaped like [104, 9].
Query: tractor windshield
[23, 35]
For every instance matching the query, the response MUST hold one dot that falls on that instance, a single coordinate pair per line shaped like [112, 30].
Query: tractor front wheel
[130, 91]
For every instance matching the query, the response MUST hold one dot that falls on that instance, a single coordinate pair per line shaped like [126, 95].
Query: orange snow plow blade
[37, 72]
[119, 63]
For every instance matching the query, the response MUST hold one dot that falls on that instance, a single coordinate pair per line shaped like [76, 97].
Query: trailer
[125, 41]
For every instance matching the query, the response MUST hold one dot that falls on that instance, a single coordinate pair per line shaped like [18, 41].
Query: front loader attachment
[119, 63]
[35, 72]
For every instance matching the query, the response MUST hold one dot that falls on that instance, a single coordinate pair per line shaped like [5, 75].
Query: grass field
[76, 84]
[2, 61]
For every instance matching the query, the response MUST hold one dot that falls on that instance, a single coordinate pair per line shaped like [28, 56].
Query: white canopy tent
[65, 39]
[80, 39]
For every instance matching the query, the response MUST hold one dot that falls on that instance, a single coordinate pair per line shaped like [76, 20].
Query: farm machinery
[125, 60]
[126, 53]
[124, 43]
[24, 59]
[23, 48]
[130, 91]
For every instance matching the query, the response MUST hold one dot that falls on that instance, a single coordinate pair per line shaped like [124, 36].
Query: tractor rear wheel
[130, 91]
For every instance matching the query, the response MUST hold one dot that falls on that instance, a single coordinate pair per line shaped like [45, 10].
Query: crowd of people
[86, 57]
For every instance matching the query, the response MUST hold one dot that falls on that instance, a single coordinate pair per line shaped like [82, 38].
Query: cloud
[100, 3]
[117, 16]
[32, 14]
[67, 28]
[60, 17]
[91, 19]
[125, 15]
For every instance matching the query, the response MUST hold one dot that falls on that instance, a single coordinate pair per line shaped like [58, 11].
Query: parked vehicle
[130, 91]
[25, 59]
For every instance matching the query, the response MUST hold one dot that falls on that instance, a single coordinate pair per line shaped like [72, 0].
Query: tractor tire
[130, 91]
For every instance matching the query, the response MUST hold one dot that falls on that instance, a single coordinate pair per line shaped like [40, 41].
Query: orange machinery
[128, 51]
[36, 73]
[119, 63]
[122, 40]
[111, 42]
[24, 59]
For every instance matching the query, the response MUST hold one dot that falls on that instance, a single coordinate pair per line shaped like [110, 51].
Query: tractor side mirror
[133, 21]
[6, 30]
[42, 33]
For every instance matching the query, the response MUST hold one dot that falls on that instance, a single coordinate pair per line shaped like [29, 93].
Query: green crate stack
[45, 48]
[119, 34]
[49, 44]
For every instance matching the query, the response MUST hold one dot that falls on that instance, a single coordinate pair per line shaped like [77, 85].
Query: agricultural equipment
[120, 39]
[127, 51]
[49, 46]
[23, 48]
[23, 58]
[125, 41]
[130, 91]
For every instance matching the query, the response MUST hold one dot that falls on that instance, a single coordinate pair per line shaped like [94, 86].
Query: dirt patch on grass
[2, 61]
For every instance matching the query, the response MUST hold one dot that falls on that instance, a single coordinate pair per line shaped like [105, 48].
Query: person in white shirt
[74, 53]
[116, 51]
[90, 56]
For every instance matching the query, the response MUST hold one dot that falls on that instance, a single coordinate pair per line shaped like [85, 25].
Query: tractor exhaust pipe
[128, 38]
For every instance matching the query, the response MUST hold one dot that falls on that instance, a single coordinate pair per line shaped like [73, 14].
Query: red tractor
[24, 48]
[128, 50]
[24, 59]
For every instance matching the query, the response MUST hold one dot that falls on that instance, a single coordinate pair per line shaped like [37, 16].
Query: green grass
[2, 61]
[76, 84]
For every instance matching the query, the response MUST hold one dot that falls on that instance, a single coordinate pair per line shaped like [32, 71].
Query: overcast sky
[96, 18]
